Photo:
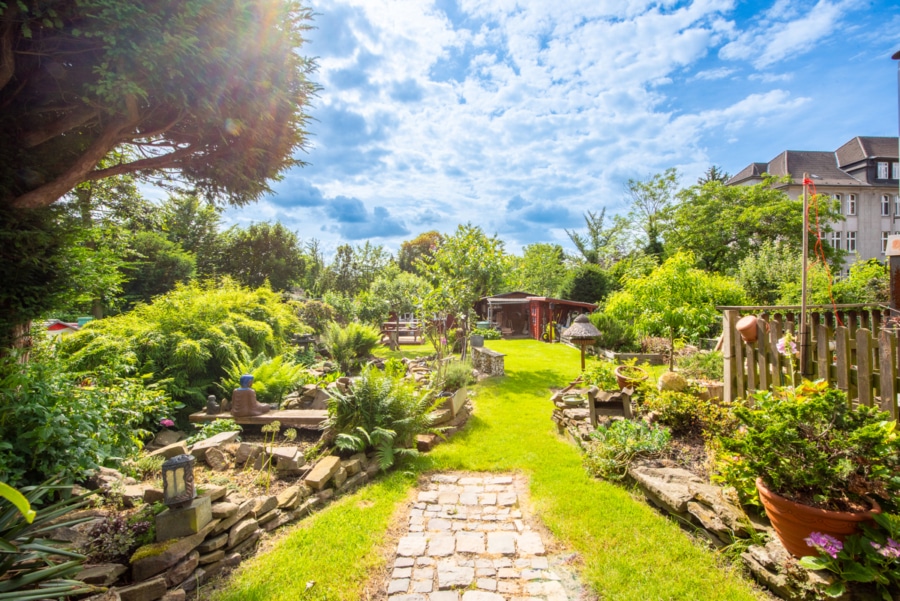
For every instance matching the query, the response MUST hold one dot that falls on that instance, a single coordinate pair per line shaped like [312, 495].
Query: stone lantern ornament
[178, 481]
[583, 333]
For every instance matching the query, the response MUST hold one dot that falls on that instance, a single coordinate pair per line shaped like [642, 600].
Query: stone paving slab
[468, 540]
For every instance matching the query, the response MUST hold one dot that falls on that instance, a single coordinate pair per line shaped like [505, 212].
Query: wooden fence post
[887, 349]
[864, 366]
[729, 320]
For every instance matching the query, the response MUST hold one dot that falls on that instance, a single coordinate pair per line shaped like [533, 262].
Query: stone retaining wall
[487, 361]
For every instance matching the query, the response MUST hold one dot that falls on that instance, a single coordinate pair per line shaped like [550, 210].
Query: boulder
[673, 381]
[323, 471]
[667, 485]
[199, 449]
[150, 560]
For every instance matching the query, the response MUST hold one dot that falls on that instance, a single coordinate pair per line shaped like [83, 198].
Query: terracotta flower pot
[794, 522]
[746, 327]
[630, 376]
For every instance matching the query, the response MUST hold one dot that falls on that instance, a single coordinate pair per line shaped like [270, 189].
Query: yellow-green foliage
[185, 338]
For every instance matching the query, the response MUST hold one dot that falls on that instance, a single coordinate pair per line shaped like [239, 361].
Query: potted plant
[629, 376]
[818, 464]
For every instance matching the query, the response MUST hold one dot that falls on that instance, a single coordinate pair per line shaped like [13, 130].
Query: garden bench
[293, 418]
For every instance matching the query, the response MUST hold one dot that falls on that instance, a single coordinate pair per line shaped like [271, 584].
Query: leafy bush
[687, 414]
[144, 467]
[212, 428]
[614, 447]
[272, 378]
[57, 424]
[349, 344]
[394, 368]
[488, 333]
[314, 314]
[602, 375]
[810, 446]
[656, 345]
[452, 375]
[380, 413]
[34, 567]
[702, 365]
[185, 338]
[615, 335]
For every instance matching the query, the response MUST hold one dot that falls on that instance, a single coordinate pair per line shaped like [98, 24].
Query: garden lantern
[583, 333]
[178, 481]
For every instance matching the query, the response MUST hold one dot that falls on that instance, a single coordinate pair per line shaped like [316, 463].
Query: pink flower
[166, 423]
[781, 345]
[825, 543]
[891, 550]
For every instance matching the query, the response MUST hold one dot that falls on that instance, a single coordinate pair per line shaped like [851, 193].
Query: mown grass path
[629, 552]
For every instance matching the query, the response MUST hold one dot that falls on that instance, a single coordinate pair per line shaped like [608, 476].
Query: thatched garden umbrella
[583, 333]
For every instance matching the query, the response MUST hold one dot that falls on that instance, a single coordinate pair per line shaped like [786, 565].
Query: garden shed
[522, 315]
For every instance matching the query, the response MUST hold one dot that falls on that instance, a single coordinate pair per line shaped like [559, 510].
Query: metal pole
[804, 335]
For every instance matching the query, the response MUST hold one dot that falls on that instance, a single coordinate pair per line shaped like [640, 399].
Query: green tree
[194, 225]
[262, 252]
[675, 300]
[398, 292]
[214, 90]
[586, 283]
[415, 250]
[765, 273]
[540, 270]
[603, 245]
[721, 225]
[468, 265]
[156, 265]
[354, 269]
[650, 203]
[713, 174]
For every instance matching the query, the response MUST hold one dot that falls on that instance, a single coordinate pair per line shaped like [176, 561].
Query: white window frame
[885, 205]
[883, 170]
[836, 240]
[895, 170]
[851, 242]
[840, 202]
[896, 205]
[884, 241]
[851, 204]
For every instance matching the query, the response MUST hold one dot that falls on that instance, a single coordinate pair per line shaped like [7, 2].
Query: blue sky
[518, 116]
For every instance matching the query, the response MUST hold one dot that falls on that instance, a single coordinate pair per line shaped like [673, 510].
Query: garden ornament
[583, 333]
[243, 400]
[212, 406]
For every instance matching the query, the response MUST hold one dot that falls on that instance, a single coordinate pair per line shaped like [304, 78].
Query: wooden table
[294, 418]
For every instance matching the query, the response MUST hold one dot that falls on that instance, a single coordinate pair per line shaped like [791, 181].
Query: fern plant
[380, 413]
[272, 378]
[349, 344]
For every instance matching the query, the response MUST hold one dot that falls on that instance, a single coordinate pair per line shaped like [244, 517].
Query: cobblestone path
[468, 540]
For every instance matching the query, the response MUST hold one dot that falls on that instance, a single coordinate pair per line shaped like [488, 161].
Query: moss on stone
[152, 550]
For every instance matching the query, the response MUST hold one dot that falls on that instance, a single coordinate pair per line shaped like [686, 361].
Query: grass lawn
[629, 552]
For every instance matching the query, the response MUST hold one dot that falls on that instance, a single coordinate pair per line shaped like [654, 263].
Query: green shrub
[272, 378]
[185, 338]
[115, 538]
[602, 375]
[349, 344]
[702, 365]
[614, 447]
[488, 333]
[615, 334]
[380, 413]
[394, 368]
[452, 375]
[314, 314]
[212, 428]
[689, 415]
[57, 424]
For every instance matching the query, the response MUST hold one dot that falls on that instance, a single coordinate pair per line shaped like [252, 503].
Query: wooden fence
[852, 346]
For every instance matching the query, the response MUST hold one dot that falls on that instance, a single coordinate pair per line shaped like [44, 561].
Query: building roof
[820, 164]
[861, 148]
[827, 167]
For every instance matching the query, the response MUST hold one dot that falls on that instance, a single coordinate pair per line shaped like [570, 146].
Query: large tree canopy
[213, 90]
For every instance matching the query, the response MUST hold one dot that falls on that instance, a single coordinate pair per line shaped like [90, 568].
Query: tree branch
[49, 193]
[55, 128]
[157, 162]
[7, 58]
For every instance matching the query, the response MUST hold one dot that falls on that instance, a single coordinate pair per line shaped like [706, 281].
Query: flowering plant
[166, 423]
[872, 557]
[788, 347]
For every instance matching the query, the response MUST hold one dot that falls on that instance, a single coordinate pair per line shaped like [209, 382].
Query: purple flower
[825, 544]
[781, 345]
[891, 550]
[166, 423]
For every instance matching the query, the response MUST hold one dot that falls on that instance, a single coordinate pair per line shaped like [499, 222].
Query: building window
[882, 170]
[851, 242]
[840, 205]
[885, 205]
[897, 205]
[851, 204]
[836, 240]
[895, 170]
[884, 240]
